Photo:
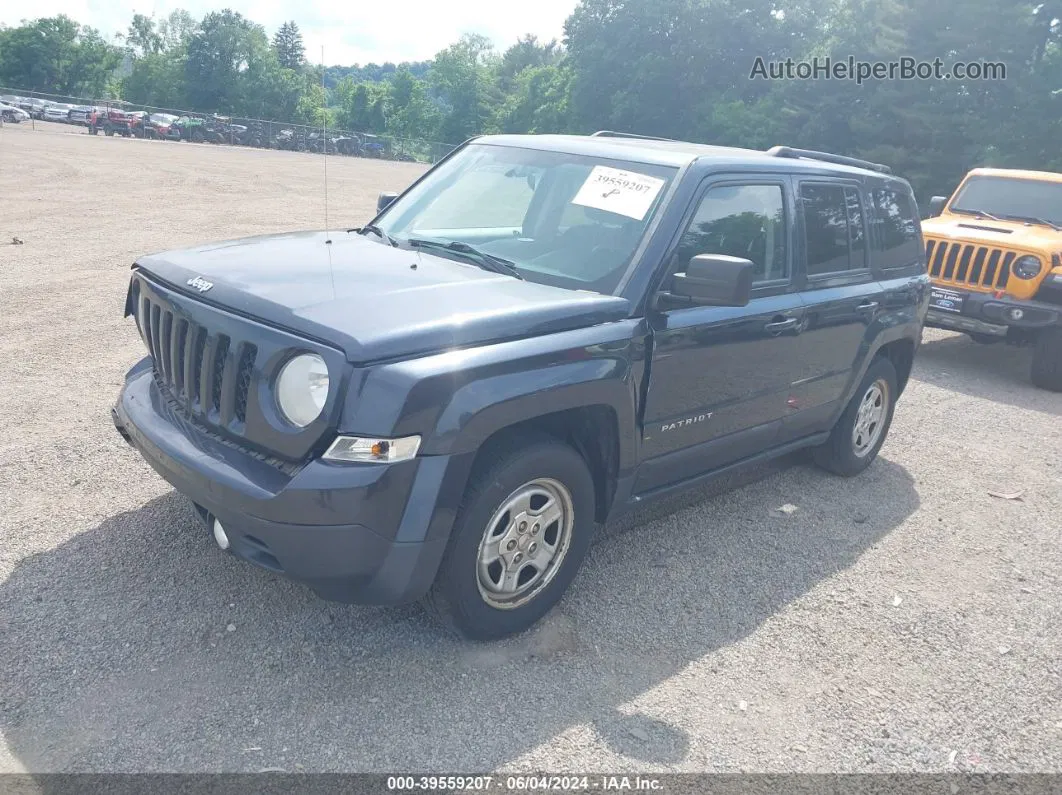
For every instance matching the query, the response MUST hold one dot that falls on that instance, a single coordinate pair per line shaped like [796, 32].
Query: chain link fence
[117, 117]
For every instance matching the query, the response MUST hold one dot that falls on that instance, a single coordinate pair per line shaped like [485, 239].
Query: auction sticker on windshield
[622, 192]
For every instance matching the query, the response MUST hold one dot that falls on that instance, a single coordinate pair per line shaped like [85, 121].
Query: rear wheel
[861, 430]
[519, 538]
[1047, 360]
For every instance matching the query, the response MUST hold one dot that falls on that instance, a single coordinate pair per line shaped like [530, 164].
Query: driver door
[720, 376]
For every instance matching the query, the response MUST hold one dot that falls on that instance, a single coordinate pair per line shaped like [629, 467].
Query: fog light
[220, 536]
[1017, 314]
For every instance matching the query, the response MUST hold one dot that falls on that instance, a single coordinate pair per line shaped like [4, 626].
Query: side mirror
[384, 200]
[715, 280]
[936, 205]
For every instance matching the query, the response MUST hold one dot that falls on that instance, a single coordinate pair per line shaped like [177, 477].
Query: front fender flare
[481, 408]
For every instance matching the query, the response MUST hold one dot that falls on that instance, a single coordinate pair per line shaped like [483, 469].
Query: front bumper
[369, 534]
[985, 314]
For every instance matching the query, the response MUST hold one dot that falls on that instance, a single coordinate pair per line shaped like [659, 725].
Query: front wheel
[1047, 360]
[860, 432]
[518, 540]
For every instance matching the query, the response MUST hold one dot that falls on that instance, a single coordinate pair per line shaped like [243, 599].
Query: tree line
[674, 68]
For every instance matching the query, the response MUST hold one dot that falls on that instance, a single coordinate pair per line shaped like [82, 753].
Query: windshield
[1013, 199]
[560, 219]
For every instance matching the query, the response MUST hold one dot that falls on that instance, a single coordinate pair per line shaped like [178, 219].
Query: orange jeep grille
[969, 264]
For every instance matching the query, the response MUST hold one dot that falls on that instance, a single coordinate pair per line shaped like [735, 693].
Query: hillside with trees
[675, 68]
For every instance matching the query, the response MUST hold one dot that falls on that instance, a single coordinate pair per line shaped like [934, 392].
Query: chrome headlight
[302, 389]
[1027, 267]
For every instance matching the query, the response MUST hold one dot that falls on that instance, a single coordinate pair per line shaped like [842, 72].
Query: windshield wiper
[488, 262]
[979, 214]
[1035, 220]
[361, 230]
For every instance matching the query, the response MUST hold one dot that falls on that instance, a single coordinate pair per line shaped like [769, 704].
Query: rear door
[843, 299]
[719, 376]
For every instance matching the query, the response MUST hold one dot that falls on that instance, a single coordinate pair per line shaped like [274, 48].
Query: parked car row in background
[113, 120]
[46, 110]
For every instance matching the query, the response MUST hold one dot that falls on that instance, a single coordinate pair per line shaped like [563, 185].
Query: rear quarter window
[897, 232]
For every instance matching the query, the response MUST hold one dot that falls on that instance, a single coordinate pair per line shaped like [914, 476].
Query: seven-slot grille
[969, 264]
[208, 374]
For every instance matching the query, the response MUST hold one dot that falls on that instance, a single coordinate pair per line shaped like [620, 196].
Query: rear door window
[834, 232]
[897, 231]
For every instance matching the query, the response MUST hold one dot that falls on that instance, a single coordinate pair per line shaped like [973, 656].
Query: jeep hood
[369, 299]
[1005, 234]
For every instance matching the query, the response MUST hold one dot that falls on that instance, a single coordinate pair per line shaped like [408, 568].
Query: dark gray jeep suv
[539, 333]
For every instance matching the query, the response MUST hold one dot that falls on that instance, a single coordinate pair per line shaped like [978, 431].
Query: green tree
[537, 102]
[227, 55]
[932, 131]
[364, 107]
[176, 30]
[287, 43]
[410, 113]
[158, 75]
[657, 65]
[527, 53]
[679, 68]
[312, 103]
[142, 37]
[462, 79]
[56, 54]
[157, 80]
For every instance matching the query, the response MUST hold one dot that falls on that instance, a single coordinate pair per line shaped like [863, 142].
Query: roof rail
[614, 134]
[810, 154]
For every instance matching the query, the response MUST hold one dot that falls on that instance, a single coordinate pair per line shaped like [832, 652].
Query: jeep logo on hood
[199, 283]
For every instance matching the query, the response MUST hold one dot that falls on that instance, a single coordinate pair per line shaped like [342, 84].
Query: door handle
[867, 306]
[781, 325]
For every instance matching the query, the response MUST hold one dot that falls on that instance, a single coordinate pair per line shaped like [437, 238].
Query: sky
[358, 32]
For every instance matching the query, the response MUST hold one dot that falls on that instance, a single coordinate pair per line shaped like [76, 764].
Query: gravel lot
[904, 620]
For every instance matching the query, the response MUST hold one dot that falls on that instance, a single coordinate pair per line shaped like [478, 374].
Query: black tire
[840, 454]
[985, 339]
[507, 468]
[1047, 360]
[109, 132]
[196, 136]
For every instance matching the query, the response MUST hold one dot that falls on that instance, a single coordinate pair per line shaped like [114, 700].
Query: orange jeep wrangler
[993, 251]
